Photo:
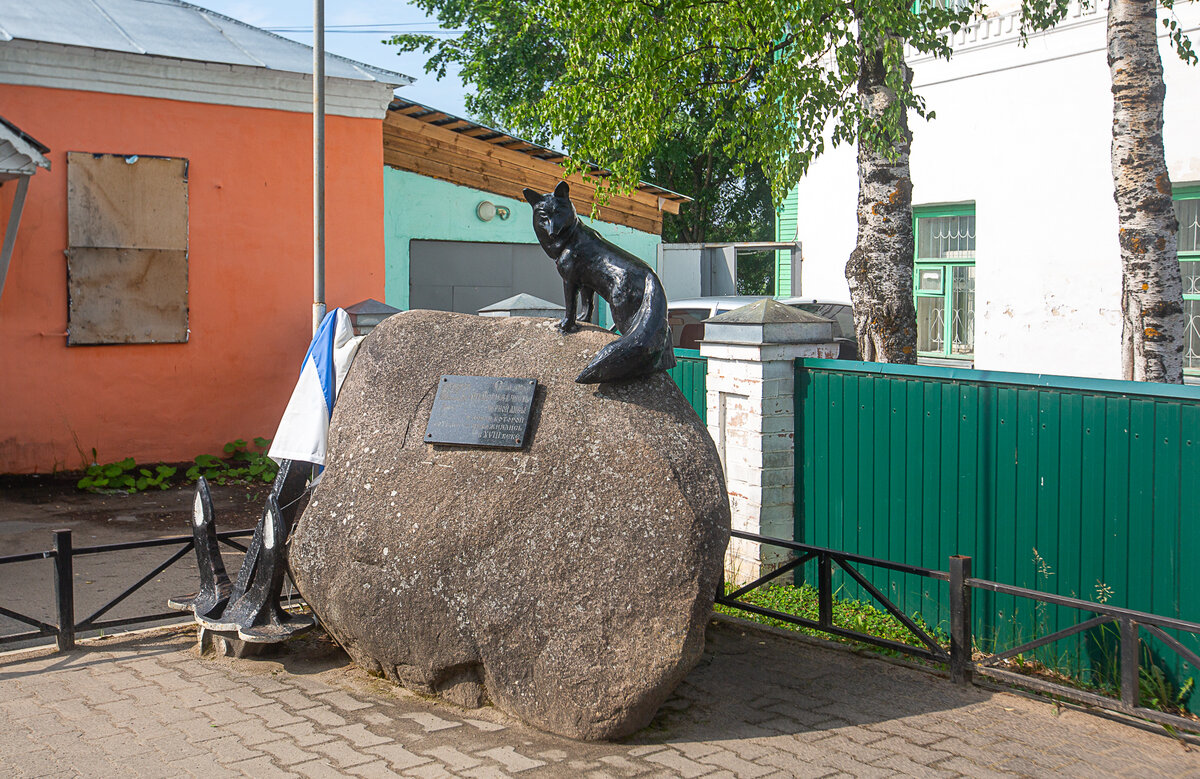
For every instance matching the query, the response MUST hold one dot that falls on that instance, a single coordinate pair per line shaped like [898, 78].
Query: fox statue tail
[644, 346]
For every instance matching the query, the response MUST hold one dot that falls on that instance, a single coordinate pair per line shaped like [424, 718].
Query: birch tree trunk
[1152, 327]
[880, 269]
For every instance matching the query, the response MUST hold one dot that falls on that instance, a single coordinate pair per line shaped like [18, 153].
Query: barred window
[945, 280]
[1187, 211]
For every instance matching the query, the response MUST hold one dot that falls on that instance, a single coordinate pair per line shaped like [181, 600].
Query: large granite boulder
[568, 582]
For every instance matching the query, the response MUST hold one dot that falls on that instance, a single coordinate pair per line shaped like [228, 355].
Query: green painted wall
[786, 221]
[420, 208]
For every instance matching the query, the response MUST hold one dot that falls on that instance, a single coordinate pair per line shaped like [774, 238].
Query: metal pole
[14, 221]
[64, 590]
[318, 163]
[825, 591]
[961, 640]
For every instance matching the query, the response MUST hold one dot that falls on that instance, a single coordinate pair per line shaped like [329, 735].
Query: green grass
[856, 615]
[1157, 690]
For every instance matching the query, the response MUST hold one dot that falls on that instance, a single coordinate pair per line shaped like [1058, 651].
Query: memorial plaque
[481, 411]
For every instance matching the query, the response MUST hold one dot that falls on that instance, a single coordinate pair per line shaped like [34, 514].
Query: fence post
[64, 590]
[1130, 662]
[825, 591]
[961, 640]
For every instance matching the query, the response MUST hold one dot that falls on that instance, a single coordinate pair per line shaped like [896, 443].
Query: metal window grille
[945, 284]
[1187, 211]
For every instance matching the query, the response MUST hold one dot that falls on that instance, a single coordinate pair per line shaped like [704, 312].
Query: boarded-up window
[127, 240]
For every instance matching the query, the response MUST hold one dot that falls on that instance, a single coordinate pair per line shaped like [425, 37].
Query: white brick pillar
[751, 382]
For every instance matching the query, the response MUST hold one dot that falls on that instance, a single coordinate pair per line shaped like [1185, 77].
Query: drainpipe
[318, 163]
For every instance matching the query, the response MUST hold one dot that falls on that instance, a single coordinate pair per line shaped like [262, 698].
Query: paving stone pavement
[758, 705]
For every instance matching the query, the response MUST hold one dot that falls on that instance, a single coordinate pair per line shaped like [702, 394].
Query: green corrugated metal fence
[1074, 486]
[690, 374]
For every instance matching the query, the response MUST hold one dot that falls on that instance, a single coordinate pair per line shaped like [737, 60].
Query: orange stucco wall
[249, 278]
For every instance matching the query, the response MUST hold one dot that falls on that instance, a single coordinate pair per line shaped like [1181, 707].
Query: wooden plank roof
[432, 143]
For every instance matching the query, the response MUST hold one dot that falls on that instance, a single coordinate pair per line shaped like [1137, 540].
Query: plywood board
[127, 296]
[127, 202]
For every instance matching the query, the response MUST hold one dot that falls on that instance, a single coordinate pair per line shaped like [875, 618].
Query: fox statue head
[553, 213]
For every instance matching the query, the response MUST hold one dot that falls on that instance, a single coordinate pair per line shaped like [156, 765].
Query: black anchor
[251, 607]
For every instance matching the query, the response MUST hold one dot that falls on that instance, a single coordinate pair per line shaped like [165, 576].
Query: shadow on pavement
[754, 683]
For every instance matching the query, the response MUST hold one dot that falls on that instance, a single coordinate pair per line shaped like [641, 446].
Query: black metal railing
[960, 654]
[826, 559]
[1130, 624]
[963, 658]
[63, 554]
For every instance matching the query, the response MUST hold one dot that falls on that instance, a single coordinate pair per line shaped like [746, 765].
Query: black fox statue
[590, 265]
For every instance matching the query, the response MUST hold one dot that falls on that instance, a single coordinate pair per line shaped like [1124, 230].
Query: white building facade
[1018, 266]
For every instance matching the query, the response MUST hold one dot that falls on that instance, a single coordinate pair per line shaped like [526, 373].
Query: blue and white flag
[304, 429]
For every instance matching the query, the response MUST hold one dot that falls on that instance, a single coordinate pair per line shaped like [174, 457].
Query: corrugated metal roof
[20, 155]
[34, 142]
[433, 116]
[170, 28]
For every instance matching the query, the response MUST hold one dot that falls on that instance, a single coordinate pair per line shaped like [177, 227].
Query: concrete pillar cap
[763, 312]
[768, 321]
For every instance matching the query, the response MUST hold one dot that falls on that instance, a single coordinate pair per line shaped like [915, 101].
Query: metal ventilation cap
[366, 314]
[371, 306]
[521, 302]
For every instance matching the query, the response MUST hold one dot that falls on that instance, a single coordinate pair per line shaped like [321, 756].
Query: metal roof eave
[175, 29]
[26, 146]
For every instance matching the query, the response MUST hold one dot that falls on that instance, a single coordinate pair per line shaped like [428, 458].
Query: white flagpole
[318, 163]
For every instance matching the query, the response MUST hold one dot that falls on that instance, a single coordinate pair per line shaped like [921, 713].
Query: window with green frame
[944, 283]
[1187, 210]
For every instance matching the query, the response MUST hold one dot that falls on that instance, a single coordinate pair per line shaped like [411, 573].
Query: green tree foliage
[513, 55]
[727, 102]
[764, 83]
[509, 56]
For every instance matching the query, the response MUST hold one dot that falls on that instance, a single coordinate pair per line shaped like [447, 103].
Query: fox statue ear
[562, 190]
[531, 196]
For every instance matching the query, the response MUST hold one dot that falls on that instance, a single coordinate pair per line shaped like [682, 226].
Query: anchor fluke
[215, 589]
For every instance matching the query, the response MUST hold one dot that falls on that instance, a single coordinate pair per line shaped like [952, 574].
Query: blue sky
[446, 94]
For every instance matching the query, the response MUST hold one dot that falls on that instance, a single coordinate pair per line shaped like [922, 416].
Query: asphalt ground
[32, 508]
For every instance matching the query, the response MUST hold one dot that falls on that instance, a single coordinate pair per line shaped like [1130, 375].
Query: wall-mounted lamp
[487, 211]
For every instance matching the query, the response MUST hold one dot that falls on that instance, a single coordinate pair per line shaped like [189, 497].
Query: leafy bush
[160, 477]
[120, 477]
[241, 464]
[111, 477]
